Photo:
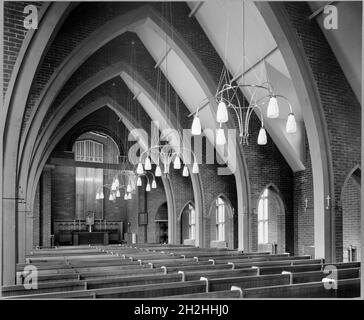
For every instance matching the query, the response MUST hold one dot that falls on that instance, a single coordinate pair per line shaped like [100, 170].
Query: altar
[96, 237]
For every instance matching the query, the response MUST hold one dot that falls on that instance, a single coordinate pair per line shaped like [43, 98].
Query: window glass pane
[260, 210]
[266, 232]
[265, 209]
[260, 232]
[192, 232]
[90, 151]
[193, 216]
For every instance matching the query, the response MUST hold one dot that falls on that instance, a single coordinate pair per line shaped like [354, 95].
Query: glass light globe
[262, 137]
[220, 136]
[177, 163]
[147, 188]
[147, 164]
[154, 184]
[196, 126]
[140, 168]
[222, 113]
[291, 126]
[158, 172]
[139, 182]
[185, 171]
[273, 109]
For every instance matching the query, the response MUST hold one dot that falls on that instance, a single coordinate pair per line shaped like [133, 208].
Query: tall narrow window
[192, 223]
[263, 218]
[220, 219]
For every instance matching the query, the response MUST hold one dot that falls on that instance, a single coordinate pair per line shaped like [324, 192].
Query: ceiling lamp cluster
[128, 187]
[228, 96]
[149, 186]
[165, 155]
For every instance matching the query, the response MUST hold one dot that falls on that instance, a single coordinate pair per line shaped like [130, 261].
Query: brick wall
[63, 193]
[266, 166]
[14, 34]
[342, 111]
[303, 217]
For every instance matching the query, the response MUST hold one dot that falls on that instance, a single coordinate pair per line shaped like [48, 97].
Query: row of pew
[177, 272]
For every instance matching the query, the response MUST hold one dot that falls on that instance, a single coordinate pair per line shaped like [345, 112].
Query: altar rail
[62, 230]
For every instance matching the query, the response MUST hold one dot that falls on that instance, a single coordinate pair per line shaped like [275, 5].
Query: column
[46, 206]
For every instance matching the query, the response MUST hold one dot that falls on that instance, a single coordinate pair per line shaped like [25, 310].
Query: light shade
[273, 110]
[139, 182]
[196, 126]
[97, 196]
[116, 182]
[195, 168]
[154, 184]
[118, 194]
[113, 186]
[128, 188]
[158, 172]
[125, 196]
[262, 137]
[185, 171]
[129, 196]
[222, 113]
[101, 195]
[147, 164]
[291, 126]
[147, 188]
[140, 168]
[220, 136]
[177, 163]
[111, 196]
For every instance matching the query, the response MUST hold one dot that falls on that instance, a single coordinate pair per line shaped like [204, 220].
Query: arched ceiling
[223, 23]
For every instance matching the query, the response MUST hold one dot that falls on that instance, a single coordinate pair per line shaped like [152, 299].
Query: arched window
[89, 151]
[263, 218]
[191, 223]
[220, 219]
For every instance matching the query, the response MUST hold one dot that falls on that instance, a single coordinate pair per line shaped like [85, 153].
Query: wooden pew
[349, 288]
[101, 274]
[219, 284]
[315, 276]
[140, 291]
[17, 290]
[225, 294]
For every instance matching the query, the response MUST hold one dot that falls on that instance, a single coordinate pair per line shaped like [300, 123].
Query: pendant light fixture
[196, 126]
[185, 171]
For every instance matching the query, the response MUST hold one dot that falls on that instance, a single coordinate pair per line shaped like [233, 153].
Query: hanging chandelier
[164, 155]
[128, 186]
[227, 98]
